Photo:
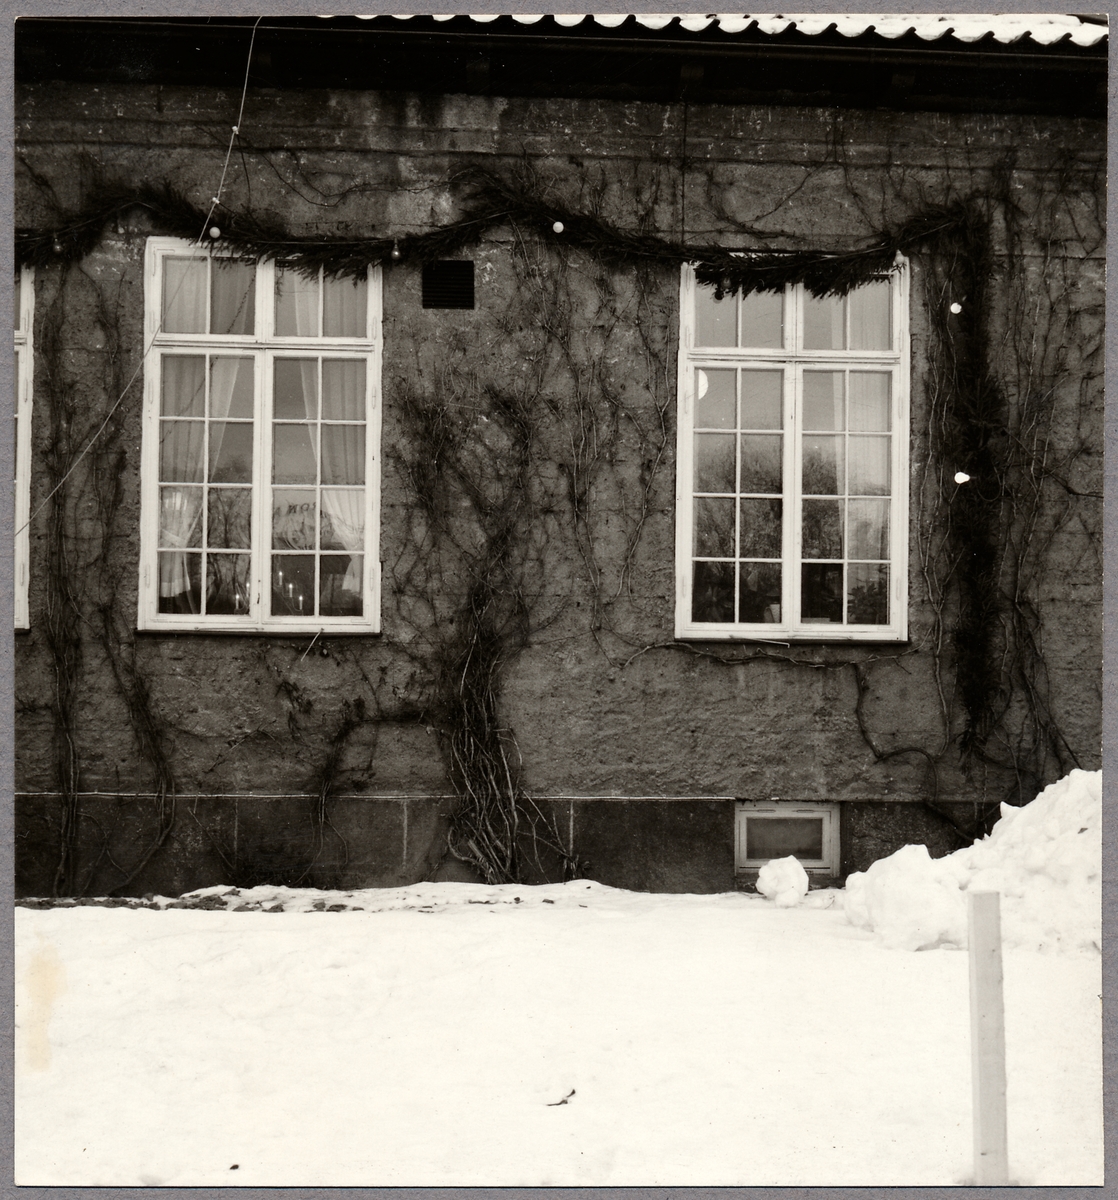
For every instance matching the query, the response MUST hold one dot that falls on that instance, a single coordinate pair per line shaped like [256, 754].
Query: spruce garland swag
[490, 201]
[957, 230]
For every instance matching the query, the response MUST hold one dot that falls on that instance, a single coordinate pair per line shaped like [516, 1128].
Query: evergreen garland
[490, 201]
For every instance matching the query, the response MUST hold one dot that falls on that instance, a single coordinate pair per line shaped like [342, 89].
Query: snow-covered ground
[452, 1034]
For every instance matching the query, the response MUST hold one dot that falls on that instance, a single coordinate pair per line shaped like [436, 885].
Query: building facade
[534, 448]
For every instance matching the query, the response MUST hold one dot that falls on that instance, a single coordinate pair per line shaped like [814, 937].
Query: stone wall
[606, 712]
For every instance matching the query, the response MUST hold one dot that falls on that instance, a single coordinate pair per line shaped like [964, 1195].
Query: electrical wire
[159, 328]
[233, 136]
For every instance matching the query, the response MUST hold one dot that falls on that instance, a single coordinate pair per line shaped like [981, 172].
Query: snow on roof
[1044, 28]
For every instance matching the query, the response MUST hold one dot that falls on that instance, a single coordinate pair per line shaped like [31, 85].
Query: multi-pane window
[23, 305]
[792, 475]
[260, 453]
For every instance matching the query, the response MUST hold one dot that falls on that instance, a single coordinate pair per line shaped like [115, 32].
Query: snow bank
[784, 881]
[1045, 859]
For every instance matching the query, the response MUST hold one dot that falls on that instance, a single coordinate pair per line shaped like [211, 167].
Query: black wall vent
[448, 284]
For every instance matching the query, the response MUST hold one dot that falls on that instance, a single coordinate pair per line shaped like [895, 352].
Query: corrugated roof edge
[1044, 29]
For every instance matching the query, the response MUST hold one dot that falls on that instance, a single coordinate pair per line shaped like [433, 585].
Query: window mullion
[150, 514]
[793, 532]
[262, 442]
[149, 487]
[844, 491]
[373, 433]
[320, 328]
[367, 507]
[898, 502]
[685, 485]
[685, 450]
[261, 486]
[736, 548]
[317, 434]
[795, 318]
[208, 324]
[265, 324]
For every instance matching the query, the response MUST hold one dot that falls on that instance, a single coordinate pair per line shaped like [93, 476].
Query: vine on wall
[501, 474]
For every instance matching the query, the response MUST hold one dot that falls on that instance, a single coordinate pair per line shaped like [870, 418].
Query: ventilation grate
[448, 284]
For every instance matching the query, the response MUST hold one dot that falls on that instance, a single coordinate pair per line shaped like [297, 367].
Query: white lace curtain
[183, 453]
[343, 457]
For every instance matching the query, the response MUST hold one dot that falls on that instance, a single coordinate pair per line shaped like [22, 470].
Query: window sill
[828, 638]
[347, 631]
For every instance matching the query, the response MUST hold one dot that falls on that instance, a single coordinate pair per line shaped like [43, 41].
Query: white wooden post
[987, 1032]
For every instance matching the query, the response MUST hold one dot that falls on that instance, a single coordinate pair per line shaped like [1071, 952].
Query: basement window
[260, 466]
[449, 284]
[768, 829]
[23, 304]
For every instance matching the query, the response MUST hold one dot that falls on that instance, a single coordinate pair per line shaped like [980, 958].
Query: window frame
[828, 865]
[792, 360]
[24, 347]
[263, 346]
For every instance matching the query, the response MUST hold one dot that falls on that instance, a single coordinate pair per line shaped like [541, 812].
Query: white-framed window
[768, 829]
[261, 446]
[792, 478]
[23, 304]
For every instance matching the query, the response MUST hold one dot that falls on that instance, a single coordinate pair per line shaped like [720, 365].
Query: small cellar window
[777, 828]
[449, 284]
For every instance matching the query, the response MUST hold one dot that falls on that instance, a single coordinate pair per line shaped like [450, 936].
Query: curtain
[225, 373]
[183, 455]
[343, 308]
[823, 400]
[296, 304]
[184, 295]
[823, 323]
[232, 296]
[870, 323]
[868, 467]
[306, 308]
[343, 460]
[304, 294]
[180, 512]
[347, 515]
[339, 451]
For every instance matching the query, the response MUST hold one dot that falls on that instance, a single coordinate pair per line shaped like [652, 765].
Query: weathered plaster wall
[615, 712]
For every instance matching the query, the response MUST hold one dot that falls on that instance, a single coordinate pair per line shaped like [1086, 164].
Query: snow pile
[1045, 859]
[784, 881]
[910, 900]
